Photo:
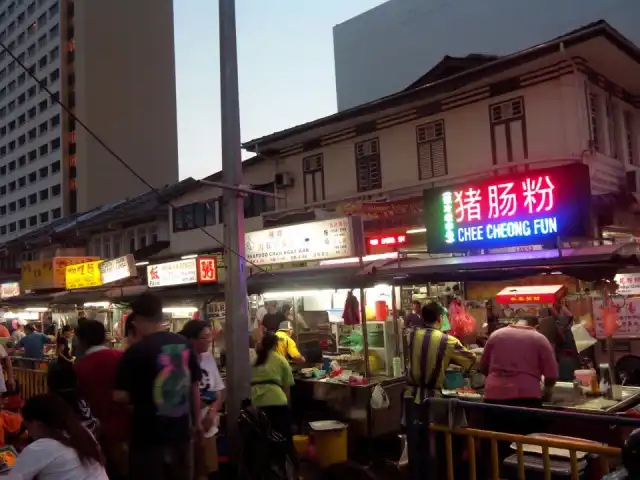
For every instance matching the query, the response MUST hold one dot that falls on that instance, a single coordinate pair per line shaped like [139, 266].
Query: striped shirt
[431, 352]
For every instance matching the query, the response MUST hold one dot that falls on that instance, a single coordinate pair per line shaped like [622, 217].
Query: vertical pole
[365, 337]
[237, 320]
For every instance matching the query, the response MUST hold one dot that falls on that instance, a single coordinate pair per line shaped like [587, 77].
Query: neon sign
[388, 240]
[507, 211]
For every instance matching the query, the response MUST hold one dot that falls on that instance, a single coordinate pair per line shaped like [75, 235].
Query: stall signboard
[534, 207]
[628, 283]
[311, 241]
[9, 289]
[83, 275]
[537, 294]
[118, 269]
[387, 214]
[48, 273]
[183, 272]
[207, 269]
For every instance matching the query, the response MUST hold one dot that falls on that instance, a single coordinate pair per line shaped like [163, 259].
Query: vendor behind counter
[514, 361]
[286, 345]
[430, 353]
[555, 324]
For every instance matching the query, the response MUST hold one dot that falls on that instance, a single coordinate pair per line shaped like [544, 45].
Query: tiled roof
[143, 205]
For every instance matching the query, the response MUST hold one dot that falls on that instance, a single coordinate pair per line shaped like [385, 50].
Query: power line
[96, 137]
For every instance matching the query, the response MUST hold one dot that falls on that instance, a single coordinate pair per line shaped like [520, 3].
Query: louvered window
[595, 120]
[312, 163]
[432, 153]
[507, 110]
[368, 168]
[614, 125]
[508, 131]
[313, 178]
[630, 143]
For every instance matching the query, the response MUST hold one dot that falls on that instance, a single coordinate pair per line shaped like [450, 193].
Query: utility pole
[237, 319]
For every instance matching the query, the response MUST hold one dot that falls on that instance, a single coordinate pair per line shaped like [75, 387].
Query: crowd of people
[148, 411]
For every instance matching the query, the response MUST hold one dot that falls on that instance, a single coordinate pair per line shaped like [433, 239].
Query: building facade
[574, 99]
[137, 226]
[383, 50]
[571, 99]
[112, 65]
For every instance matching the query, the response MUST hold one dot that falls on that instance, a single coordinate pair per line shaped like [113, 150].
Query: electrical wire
[103, 144]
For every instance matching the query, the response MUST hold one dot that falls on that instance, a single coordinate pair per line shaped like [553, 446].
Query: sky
[286, 70]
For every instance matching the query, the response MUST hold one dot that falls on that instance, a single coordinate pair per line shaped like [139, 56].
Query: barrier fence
[31, 374]
[421, 466]
[32, 382]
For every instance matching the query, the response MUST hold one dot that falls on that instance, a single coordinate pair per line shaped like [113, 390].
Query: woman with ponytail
[271, 381]
[63, 449]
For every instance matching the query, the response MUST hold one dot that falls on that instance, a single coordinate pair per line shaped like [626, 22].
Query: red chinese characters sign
[506, 211]
[207, 270]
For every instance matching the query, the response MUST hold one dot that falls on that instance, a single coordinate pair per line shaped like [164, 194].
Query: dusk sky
[286, 70]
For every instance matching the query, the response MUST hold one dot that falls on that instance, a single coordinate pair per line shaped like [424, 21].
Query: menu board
[406, 300]
[322, 240]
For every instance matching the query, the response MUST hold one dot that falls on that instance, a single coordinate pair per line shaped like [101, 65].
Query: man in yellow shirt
[431, 351]
[286, 345]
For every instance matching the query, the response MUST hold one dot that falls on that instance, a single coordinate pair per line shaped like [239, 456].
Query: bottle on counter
[606, 381]
[595, 387]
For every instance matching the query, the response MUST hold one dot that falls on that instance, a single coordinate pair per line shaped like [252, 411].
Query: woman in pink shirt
[514, 361]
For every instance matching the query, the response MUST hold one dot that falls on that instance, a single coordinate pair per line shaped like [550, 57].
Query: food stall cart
[346, 397]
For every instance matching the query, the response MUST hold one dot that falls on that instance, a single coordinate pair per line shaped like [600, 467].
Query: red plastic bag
[462, 324]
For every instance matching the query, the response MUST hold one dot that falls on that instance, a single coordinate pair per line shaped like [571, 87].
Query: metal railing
[33, 382]
[31, 374]
[420, 464]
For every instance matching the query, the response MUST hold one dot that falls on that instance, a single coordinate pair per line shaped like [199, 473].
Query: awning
[311, 278]
[80, 296]
[125, 292]
[536, 294]
[34, 299]
[589, 264]
[189, 292]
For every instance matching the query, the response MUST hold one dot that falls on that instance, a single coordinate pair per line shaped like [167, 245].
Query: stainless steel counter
[565, 398]
[352, 403]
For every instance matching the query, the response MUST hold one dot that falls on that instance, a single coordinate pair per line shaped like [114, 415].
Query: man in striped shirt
[430, 354]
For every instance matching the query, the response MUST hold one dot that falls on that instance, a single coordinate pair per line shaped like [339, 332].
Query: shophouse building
[572, 99]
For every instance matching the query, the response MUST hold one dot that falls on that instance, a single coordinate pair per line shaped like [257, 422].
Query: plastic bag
[446, 326]
[582, 338]
[462, 324]
[379, 398]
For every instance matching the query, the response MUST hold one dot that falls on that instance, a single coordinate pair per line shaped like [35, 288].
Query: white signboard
[10, 289]
[118, 269]
[628, 283]
[628, 314]
[181, 272]
[322, 240]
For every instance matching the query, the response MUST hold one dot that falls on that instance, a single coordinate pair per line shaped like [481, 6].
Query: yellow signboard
[83, 275]
[49, 273]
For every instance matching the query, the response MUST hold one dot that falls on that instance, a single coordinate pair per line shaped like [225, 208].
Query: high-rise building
[111, 62]
[384, 50]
